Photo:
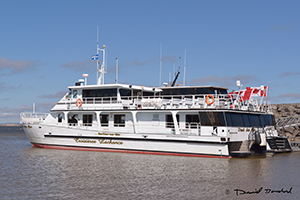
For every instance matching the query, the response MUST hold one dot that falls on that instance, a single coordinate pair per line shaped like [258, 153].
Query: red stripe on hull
[124, 151]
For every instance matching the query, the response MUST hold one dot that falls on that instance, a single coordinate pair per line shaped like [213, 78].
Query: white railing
[32, 118]
[221, 101]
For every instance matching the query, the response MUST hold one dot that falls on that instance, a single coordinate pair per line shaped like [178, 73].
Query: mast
[160, 65]
[100, 67]
[117, 66]
[184, 69]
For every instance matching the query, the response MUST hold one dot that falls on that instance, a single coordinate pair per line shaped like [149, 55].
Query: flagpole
[268, 92]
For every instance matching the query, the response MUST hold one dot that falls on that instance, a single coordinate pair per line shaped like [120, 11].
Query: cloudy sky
[46, 46]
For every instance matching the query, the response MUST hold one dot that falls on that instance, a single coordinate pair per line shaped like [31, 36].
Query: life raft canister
[78, 102]
[207, 99]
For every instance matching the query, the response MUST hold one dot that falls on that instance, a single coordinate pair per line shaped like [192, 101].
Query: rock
[288, 110]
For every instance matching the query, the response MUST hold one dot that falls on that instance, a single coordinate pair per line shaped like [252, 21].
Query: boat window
[59, 118]
[69, 95]
[99, 93]
[269, 120]
[87, 120]
[119, 120]
[74, 94]
[212, 119]
[187, 91]
[262, 120]
[137, 93]
[170, 122]
[73, 119]
[221, 91]
[104, 119]
[246, 120]
[254, 121]
[228, 119]
[148, 94]
[237, 119]
[125, 93]
[192, 121]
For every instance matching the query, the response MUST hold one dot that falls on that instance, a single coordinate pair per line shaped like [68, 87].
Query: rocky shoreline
[288, 110]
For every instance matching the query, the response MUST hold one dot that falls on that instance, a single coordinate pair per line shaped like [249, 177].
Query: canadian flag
[234, 94]
[248, 92]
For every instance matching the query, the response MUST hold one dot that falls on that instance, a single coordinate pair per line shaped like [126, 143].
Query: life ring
[78, 102]
[207, 99]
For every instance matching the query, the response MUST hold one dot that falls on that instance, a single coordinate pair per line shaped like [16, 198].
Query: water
[34, 173]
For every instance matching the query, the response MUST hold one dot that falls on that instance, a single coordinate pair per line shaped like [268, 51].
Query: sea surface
[35, 173]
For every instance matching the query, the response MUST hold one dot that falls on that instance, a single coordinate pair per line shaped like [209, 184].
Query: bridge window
[99, 93]
[74, 94]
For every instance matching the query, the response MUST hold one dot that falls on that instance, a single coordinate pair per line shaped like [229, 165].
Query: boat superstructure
[191, 121]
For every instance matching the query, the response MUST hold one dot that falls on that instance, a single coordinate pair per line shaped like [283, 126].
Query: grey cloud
[285, 74]
[80, 65]
[15, 66]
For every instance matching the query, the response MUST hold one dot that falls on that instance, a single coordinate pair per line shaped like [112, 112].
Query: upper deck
[124, 96]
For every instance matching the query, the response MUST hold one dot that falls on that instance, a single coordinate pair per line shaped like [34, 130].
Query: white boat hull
[74, 139]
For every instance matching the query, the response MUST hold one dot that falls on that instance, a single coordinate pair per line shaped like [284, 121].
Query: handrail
[174, 101]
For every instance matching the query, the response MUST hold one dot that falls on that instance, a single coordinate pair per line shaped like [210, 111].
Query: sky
[46, 46]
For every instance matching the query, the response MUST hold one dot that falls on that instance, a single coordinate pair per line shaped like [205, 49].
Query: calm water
[33, 173]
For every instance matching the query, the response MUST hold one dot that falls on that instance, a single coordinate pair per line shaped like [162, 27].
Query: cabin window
[192, 121]
[246, 120]
[74, 94]
[228, 119]
[254, 120]
[249, 120]
[269, 120]
[104, 119]
[125, 93]
[59, 118]
[148, 94]
[137, 93]
[87, 120]
[99, 93]
[212, 119]
[73, 119]
[169, 121]
[237, 119]
[119, 120]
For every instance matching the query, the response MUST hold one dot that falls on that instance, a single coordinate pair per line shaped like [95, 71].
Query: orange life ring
[207, 99]
[78, 102]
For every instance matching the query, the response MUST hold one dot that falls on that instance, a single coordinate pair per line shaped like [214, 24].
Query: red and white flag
[247, 93]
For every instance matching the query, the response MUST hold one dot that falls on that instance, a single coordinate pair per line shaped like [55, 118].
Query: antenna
[117, 63]
[184, 69]
[176, 77]
[160, 65]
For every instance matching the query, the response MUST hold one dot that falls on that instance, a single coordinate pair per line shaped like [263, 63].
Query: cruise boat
[204, 121]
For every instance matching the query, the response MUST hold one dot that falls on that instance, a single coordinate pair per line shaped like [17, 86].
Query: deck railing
[221, 101]
[32, 118]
